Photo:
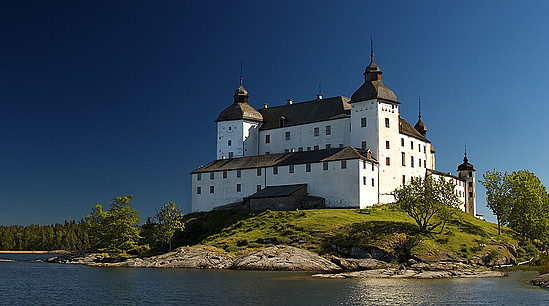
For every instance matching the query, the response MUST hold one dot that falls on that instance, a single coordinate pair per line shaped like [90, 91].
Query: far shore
[35, 252]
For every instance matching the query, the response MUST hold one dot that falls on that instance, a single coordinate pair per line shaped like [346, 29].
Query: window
[307, 167]
[275, 170]
[404, 180]
[258, 187]
[341, 145]
[281, 121]
[470, 194]
[471, 184]
[212, 175]
[224, 174]
[308, 148]
[238, 188]
[328, 146]
[363, 145]
[373, 167]
[229, 143]
[387, 161]
[198, 190]
[470, 174]
[291, 169]
[230, 154]
[316, 131]
[199, 176]
[424, 163]
[258, 171]
[387, 145]
[316, 148]
[363, 122]
[402, 142]
[267, 153]
[328, 130]
[411, 161]
[229, 128]
[424, 150]
[403, 159]
[363, 164]
[372, 182]
[267, 138]
[211, 189]
[419, 164]
[411, 145]
[343, 164]
[300, 149]
[325, 166]
[238, 173]
[419, 147]
[286, 150]
[387, 122]
[287, 135]
[363, 180]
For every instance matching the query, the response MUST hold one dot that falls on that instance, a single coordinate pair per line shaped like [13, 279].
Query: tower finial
[419, 116]
[371, 49]
[240, 73]
[319, 88]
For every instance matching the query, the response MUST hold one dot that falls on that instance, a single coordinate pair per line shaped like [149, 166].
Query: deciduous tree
[168, 220]
[498, 197]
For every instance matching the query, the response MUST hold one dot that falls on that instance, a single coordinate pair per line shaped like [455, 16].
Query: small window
[471, 184]
[373, 169]
[363, 164]
[424, 163]
[287, 135]
[316, 131]
[328, 146]
[343, 164]
[229, 128]
[258, 171]
[470, 174]
[402, 142]
[281, 121]
[403, 159]
[291, 169]
[267, 153]
[411, 161]
[275, 170]
[363, 122]
[328, 130]
[363, 180]
[363, 145]
[307, 167]
[387, 161]
[341, 145]
[424, 150]
[419, 147]
[238, 173]
[387, 122]
[470, 194]
[419, 164]
[325, 166]
[212, 175]
[411, 145]
[267, 138]
[229, 143]
[372, 182]
[211, 189]
[316, 148]
[230, 154]
[224, 174]
[387, 145]
[300, 149]
[199, 176]
[404, 180]
[198, 190]
[258, 187]
[308, 148]
[238, 188]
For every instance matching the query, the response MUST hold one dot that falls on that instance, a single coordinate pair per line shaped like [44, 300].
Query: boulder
[541, 281]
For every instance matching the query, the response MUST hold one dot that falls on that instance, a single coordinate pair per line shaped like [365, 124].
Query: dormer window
[281, 121]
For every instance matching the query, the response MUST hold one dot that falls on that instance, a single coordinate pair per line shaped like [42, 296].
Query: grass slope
[326, 231]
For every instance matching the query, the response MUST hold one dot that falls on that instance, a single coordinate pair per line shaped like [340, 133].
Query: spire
[420, 126]
[465, 159]
[372, 72]
[319, 95]
[240, 73]
[466, 165]
[371, 49]
[240, 94]
[419, 116]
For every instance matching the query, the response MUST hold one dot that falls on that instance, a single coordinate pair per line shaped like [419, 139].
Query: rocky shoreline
[281, 258]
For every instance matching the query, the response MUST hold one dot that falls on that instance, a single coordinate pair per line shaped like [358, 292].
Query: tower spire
[465, 159]
[419, 116]
[319, 88]
[240, 73]
[371, 49]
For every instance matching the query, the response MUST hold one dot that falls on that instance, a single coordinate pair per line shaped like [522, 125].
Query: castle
[349, 152]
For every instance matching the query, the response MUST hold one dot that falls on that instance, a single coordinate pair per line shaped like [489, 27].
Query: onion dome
[240, 109]
[466, 165]
[420, 126]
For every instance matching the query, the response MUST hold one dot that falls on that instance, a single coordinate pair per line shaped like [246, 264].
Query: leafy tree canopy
[168, 220]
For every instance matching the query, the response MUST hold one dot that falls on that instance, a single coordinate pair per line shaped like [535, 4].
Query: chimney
[289, 101]
[222, 156]
[318, 97]
[265, 105]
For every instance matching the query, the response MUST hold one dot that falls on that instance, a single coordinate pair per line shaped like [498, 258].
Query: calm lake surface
[25, 282]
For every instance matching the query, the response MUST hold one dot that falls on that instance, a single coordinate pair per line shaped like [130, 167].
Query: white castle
[349, 152]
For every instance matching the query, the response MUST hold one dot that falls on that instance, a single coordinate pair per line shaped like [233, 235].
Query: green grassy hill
[344, 232]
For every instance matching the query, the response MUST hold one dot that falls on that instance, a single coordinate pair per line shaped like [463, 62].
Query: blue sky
[104, 98]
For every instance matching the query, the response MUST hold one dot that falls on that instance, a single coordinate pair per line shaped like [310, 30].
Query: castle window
[238, 187]
[363, 122]
[403, 159]
[267, 138]
[411, 161]
[470, 174]
[343, 164]
[419, 164]
[316, 131]
[404, 180]
[258, 171]
[387, 161]
[328, 130]
[291, 169]
[287, 135]
[363, 180]
[341, 145]
[387, 122]
[424, 150]
[211, 189]
[258, 187]
[198, 190]
[372, 182]
[275, 170]
[199, 176]
[281, 121]
[229, 142]
[300, 149]
[419, 147]
[238, 173]
[411, 145]
[325, 166]
[328, 146]
[212, 175]
[363, 145]
[316, 148]
[471, 184]
[224, 174]
[363, 164]
[230, 154]
[373, 167]
[307, 167]
[308, 148]
[229, 128]
[470, 194]
[387, 145]
[424, 163]
[402, 142]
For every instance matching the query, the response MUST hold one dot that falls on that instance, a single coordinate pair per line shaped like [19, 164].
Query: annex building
[349, 152]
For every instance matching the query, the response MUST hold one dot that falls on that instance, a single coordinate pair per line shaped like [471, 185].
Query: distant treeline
[71, 236]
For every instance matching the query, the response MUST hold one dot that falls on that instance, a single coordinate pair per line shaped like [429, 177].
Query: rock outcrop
[541, 281]
[283, 258]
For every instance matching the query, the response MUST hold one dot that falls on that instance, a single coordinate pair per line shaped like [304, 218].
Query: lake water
[25, 282]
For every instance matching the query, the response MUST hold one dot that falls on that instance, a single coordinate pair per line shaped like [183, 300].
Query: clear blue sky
[107, 98]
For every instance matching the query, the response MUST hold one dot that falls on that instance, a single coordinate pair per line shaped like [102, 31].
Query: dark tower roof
[240, 109]
[466, 165]
[373, 88]
[420, 126]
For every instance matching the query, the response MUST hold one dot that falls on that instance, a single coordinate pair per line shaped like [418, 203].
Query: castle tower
[238, 127]
[466, 171]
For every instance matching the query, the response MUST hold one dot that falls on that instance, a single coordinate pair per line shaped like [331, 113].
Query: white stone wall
[303, 136]
[238, 137]
[470, 187]
[460, 189]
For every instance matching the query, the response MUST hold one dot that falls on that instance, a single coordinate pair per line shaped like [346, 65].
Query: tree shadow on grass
[468, 227]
